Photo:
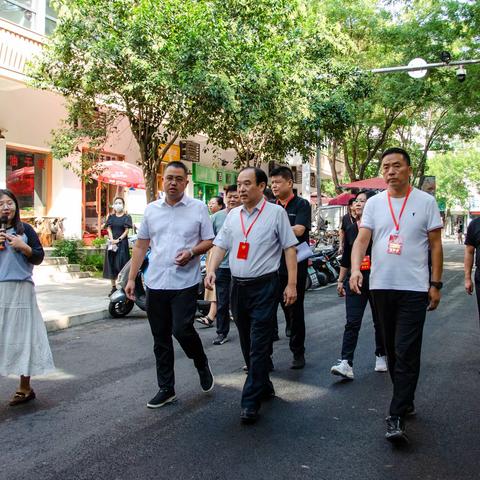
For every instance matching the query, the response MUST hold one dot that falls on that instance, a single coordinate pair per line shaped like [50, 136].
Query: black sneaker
[396, 430]
[112, 291]
[162, 398]
[221, 339]
[206, 378]
[298, 362]
[248, 416]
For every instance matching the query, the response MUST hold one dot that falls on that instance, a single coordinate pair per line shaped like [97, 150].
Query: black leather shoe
[298, 362]
[162, 398]
[411, 412]
[396, 430]
[248, 415]
[206, 378]
[268, 394]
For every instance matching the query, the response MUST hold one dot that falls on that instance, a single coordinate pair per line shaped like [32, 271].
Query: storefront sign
[173, 153]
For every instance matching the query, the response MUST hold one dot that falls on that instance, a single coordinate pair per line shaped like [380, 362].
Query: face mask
[118, 207]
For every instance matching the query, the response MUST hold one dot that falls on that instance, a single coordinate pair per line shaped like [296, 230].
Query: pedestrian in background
[117, 252]
[215, 205]
[178, 230]
[24, 348]
[403, 222]
[255, 235]
[355, 304]
[300, 216]
[460, 232]
[347, 220]
[472, 253]
[223, 276]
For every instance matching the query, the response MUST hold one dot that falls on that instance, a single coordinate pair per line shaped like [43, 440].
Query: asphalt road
[90, 421]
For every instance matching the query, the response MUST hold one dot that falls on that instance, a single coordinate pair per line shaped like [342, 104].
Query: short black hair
[398, 150]
[260, 175]
[177, 164]
[119, 198]
[219, 200]
[282, 171]
[230, 188]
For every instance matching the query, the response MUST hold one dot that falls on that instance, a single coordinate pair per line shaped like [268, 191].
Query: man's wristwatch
[437, 285]
[191, 252]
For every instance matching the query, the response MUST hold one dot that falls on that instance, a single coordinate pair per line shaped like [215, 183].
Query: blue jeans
[355, 306]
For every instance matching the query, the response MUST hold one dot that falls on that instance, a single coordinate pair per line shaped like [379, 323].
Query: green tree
[456, 173]
[151, 61]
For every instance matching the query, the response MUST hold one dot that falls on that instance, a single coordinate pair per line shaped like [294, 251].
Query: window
[27, 179]
[50, 19]
[21, 12]
[37, 15]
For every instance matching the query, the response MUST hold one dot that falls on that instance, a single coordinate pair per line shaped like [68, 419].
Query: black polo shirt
[473, 239]
[347, 220]
[299, 213]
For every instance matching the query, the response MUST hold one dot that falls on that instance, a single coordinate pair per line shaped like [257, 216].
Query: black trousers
[402, 316]
[355, 308]
[173, 312]
[477, 288]
[253, 308]
[223, 288]
[295, 314]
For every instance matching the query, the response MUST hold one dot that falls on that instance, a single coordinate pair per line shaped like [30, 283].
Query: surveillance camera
[461, 73]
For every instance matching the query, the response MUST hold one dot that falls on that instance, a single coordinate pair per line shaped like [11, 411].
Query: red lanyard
[253, 223]
[290, 198]
[397, 223]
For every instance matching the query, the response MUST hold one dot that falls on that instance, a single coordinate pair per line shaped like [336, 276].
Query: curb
[66, 321]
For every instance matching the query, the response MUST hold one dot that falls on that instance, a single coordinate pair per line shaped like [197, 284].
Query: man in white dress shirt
[178, 230]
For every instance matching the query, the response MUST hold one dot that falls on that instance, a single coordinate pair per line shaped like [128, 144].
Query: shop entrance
[205, 191]
[97, 198]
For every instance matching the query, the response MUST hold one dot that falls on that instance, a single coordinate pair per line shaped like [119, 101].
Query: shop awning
[341, 199]
[377, 183]
[118, 173]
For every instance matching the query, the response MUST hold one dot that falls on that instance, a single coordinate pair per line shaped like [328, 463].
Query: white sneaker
[381, 364]
[343, 369]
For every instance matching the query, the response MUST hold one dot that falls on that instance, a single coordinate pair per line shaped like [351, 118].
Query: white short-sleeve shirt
[408, 271]
[170, 230]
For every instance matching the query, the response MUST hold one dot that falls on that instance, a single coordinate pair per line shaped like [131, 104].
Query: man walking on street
[223, 278]
[300, 216]
[255, 235]
[178, 230]
[472, 251]
[403, 223]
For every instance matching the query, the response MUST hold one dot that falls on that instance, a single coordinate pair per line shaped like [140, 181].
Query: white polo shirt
[408, 271]
[170, 230]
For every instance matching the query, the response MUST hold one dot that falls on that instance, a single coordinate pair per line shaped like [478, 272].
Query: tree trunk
[332, 160]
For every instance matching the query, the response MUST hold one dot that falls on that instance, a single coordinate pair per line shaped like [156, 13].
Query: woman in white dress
[24, 348]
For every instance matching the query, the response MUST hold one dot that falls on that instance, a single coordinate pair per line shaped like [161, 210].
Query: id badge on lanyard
[395, 240]
[244, 247]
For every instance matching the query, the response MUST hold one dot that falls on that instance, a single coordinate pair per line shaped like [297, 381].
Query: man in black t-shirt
[300, 216]
[472, 249]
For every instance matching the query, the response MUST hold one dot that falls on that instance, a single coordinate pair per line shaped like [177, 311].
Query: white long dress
[24, 347]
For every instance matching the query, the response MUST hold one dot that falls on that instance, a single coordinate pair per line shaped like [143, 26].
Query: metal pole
[428, 66]
[319, 180]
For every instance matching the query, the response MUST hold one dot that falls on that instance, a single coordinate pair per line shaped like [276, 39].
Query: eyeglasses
[170, 179]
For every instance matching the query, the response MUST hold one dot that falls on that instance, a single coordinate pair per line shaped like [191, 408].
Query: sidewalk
[73, 302]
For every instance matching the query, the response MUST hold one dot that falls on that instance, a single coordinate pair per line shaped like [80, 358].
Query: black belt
[254, 280]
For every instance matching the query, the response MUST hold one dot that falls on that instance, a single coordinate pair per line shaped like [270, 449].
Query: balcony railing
[18, 45]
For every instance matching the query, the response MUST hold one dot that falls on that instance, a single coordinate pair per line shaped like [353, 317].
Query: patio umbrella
[118, 173]
[341, 199]
[377, 183]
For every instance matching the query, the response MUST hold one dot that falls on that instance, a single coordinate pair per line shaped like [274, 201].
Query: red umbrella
[369, 183]
[341, 199]
[118, 173]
